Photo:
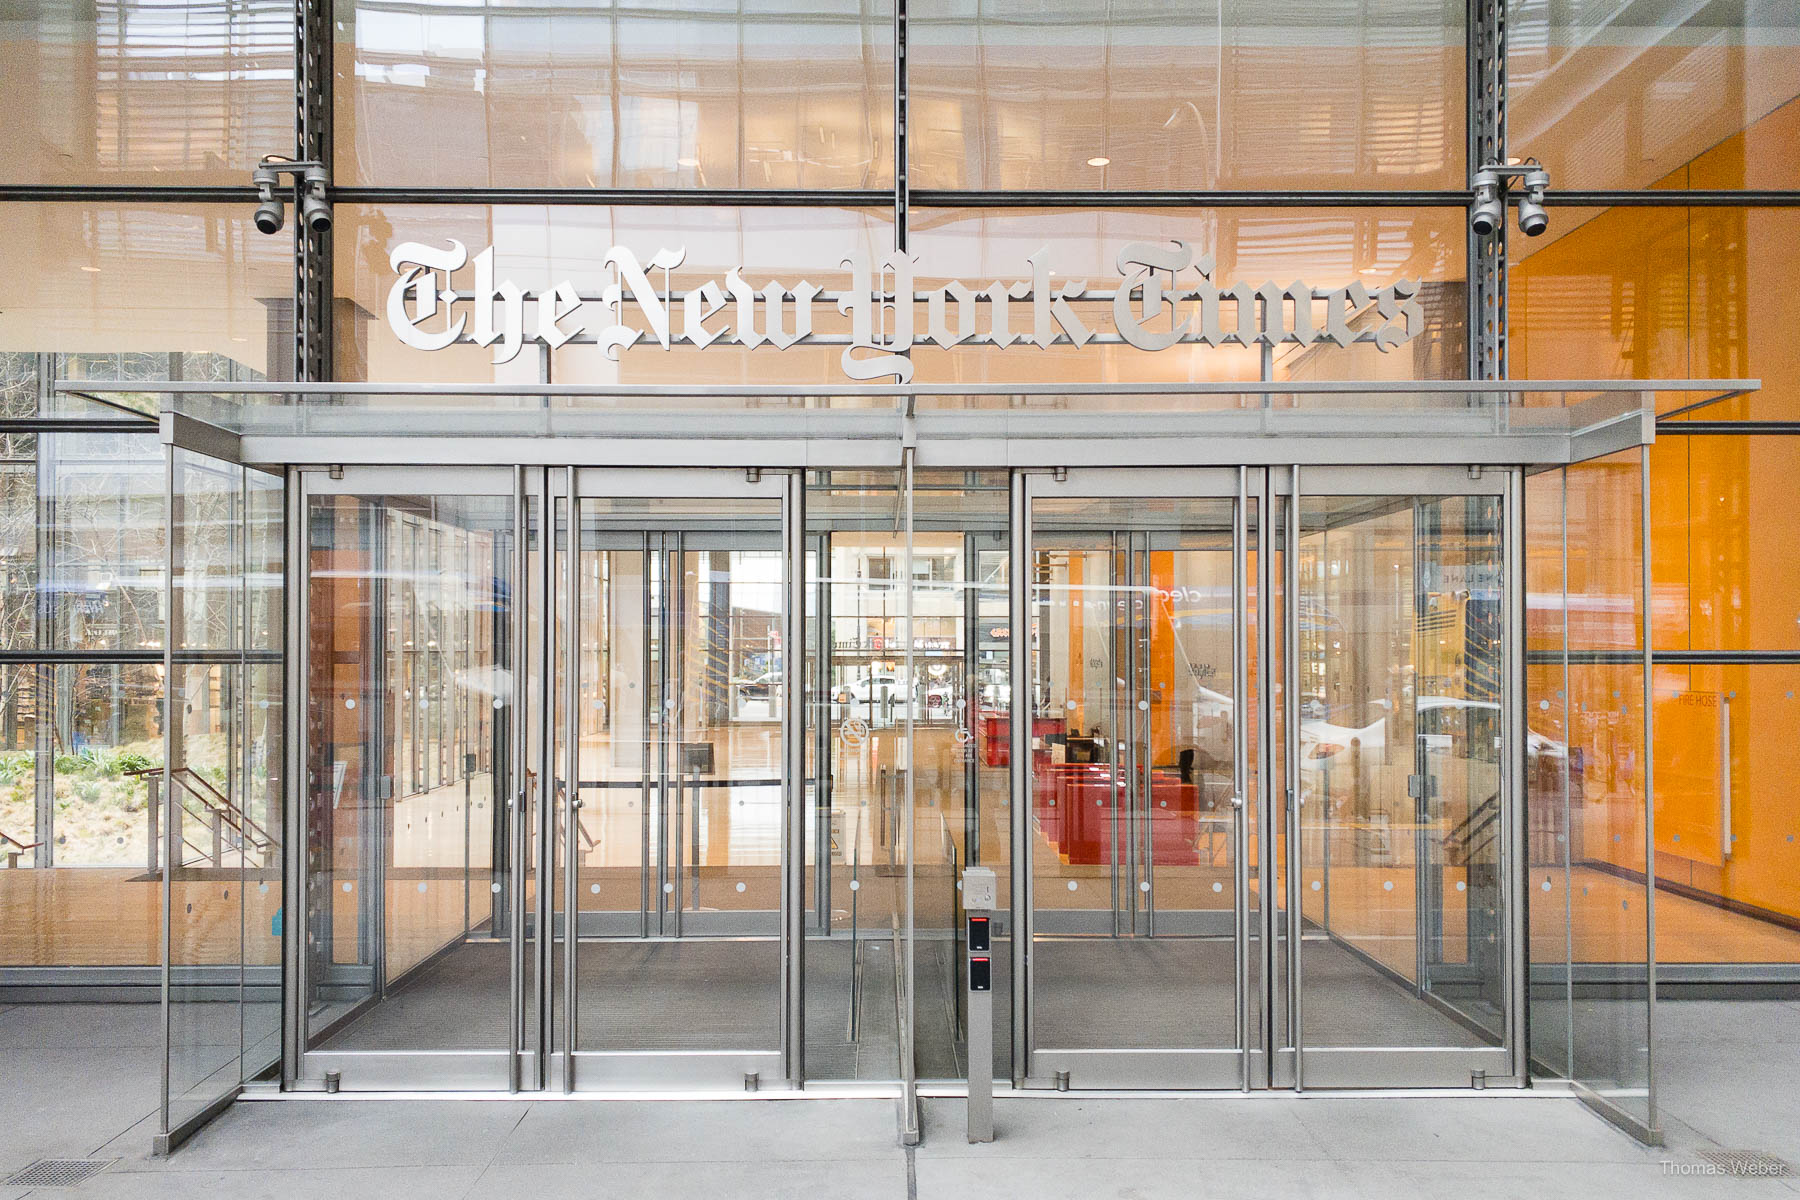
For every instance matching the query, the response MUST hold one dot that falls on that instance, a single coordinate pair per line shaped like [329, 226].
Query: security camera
[269, 213]
[1533, 220]
[314, 184]
[315, 209]
[1488, 212]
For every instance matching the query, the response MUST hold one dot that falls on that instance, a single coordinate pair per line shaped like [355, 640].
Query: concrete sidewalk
[1727, 1084]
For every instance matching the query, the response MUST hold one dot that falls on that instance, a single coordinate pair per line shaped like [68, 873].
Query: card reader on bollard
[980, 896]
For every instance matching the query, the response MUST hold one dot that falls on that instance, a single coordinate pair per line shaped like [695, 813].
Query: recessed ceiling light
[1098, 162]
[92, 270]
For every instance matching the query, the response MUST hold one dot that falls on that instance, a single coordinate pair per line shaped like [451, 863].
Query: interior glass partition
[676, 871]
[1401, 664]
[1590, 831]
[218, 795]
[414, 909]
[1142, 839]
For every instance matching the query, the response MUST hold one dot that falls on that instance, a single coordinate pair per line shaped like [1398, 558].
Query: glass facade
[218, 677]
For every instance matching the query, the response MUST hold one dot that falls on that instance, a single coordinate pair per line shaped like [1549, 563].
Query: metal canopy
[1533, 422]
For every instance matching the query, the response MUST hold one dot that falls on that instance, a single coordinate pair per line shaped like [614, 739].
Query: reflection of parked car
[1441, 722]
[883, 692]
[762, 687]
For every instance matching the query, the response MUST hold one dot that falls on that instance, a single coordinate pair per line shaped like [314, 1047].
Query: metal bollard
[980, 896]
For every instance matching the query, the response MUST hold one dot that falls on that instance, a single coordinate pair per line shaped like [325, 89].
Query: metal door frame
[1302, 1067]
[623, 1070]
[1268, 998]
[1037, 1066]
[507, 1069]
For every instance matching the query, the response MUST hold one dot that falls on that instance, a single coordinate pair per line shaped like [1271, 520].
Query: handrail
[12, 856]
[1480, 819]
[215, 807]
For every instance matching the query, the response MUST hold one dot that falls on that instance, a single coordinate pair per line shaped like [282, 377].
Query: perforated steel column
[1487, 144]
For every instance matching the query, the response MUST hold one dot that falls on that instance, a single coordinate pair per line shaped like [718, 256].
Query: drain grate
[59, 1172]
[1747, 1162]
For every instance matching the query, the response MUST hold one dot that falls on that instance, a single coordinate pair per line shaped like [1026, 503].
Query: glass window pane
[1636, 96]
[1727, 833]
[145, 93]
[632, 94]
[1227, 94]
[1662, 293]
[537, 247]
[1324, 248]
[137, 291]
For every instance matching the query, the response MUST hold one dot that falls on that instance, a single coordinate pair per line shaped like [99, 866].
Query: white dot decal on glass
[594, 888]
[494, 887]
[856, 885]
[1217, 886]
[1143, 706]
[1387, 885]
[263, 888]
[1162, 804]
[421, 889]
[346, 887]
[350, 702]
[1546, 885]
[740, 887]
[1543, 705]
[668, 887]
[1461, 886]
[1071, 885]
[1070, 704]
[1315, 885]
[1144, 886]
[499, 703]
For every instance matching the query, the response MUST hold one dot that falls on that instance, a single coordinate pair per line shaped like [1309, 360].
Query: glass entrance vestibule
[566, 826]
[658, 773]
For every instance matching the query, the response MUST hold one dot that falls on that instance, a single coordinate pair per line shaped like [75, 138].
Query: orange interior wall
[1697, 292]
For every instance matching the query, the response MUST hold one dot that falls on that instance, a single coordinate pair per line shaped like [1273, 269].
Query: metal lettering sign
[1167, 297]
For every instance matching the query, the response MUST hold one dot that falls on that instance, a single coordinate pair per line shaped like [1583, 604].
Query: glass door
[1400, 840]
[417, 895]
[1139, 833]
[676, 869]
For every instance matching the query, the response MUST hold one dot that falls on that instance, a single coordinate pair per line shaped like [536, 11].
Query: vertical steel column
[543, 818]
[1487, 144]
[517, 791]
[312, 251]
[649, 889]
[1019, 619]
[1515, 853]
[1240, 772]
[909, 1031]
[571, 659]
[171, 807]
[793, 749]
[902, 184]
[822, 739]
[969, 713]
[1268, 897]
[1144, 755]
[1290, 653]
[1649, 697]
[296, 795]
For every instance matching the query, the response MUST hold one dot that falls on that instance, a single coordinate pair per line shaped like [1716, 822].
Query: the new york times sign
[1167, 296]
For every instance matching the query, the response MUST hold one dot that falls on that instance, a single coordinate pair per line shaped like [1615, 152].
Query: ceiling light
[92, 270]
[687, 162]
[1098, 162]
